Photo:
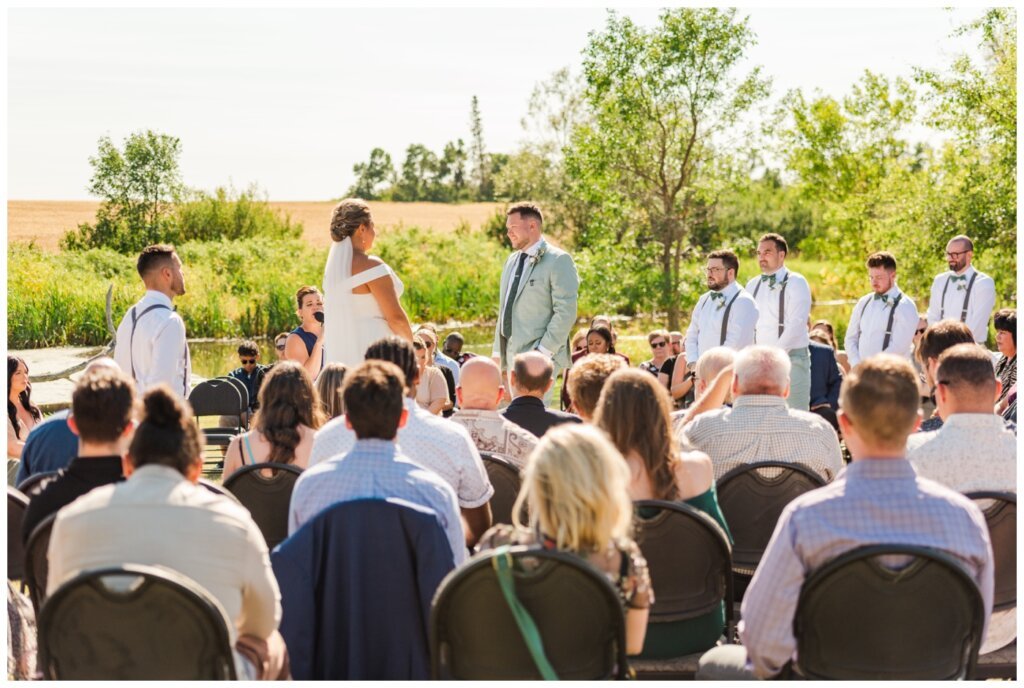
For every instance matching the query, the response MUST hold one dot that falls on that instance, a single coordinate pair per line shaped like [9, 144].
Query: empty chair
[243, 391]
[752, 502]
[266, 497]
[16, 505]
[506, 481]
[35, 483]
[860, 619]
[134, 623]
[473, 634]
[37, 562]
[690, 562]
[218, 398]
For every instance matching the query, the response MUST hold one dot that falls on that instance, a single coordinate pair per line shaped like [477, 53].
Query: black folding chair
[137, 623]
[16, 505]
[859, 619]
[37, 562]
[35, 483]
[266, 498]
[752, 498]
[1000, 509]
[474, 636]
[506, 481]
[243, 391]
[217, 489]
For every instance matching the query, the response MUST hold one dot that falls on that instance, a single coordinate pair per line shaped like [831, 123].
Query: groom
[537, 301]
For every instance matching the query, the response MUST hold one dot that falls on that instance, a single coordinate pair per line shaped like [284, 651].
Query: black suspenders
[967, 297]
[782, 303]
[892, 318]
[131, 341]
[725, 318]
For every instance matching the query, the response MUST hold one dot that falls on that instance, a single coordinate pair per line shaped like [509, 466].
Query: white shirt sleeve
[168, 359]
[798, 309]
[852, 339]
[742, 322]
[903, 327]
[983, 300]
[692, 331]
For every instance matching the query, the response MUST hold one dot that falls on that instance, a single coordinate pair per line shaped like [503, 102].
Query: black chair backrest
[1000, 509]
[134, 623]
[859, 619]
[243, 391]
[690, 560]
[752, 503]
[37, 562]
[216, 398]
[217, 489]
[506, 481]
[16, 505]
[35, 483]
[266, 498]
[473, 634]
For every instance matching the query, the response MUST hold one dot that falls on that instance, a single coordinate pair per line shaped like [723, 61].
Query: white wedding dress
[351, 321]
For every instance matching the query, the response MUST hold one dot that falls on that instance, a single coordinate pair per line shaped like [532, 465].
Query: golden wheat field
[46, 221]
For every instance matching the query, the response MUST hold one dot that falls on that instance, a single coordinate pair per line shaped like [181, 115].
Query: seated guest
[435, 443]
[877, 500]
[160, 517]
[305, 344]
[250, 373]
[936, 339]
[576, 490]
[588, 376]
[927, 401]
[453, 344]
[22, 414]
[328, 389]
[479, 395]
[449, 369]
[1010, 414]
[1006, 341]
[599, 341]
[284, 426]
[634, 411]
[676, 343]
[826, 328]
[431, 390]
[375, 468]
[579, 344]
[102, 406]
[760, 426]
[661, 363]
[826, 378]
[280, 342]
[530, 380]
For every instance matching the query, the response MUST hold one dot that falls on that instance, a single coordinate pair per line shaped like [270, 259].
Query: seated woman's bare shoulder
[694, 474]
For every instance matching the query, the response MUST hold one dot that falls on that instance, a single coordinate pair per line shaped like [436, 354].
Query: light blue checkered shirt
[375, 469]
[872, 502]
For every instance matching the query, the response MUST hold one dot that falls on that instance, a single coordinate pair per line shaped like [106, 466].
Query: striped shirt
[873, 502]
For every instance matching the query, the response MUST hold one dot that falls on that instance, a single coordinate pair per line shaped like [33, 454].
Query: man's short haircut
[712, 361]
[455, 337]
[303, 293]
[881, 398]
[762, 370]
[398, 351]
[587, 377]
[967, 369]
[374, 394]
[941, 336]
[728, 258]
[777, 239]
[527, 209]
[532, 383]
[248, 348]
[882, 259]
[964, 238]
[154, 257]
[102, 404]
[1005, 319]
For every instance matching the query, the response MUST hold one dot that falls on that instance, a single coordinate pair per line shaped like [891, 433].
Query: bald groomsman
[724, 316]
[963, 293]
[885, 319]
[783, 304]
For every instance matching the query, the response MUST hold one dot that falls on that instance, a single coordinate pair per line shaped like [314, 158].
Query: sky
[291, 99]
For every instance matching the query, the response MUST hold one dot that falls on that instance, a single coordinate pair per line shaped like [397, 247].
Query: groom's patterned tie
[506, 317]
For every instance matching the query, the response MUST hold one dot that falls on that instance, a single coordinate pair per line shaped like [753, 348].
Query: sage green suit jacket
[544, 307]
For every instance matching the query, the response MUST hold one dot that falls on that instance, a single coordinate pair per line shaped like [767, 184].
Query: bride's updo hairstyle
[348, 216]
[167, 435]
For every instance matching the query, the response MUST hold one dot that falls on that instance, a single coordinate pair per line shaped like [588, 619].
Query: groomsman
[784, 304]
[724, 316]
[885, 319]
[963, 293]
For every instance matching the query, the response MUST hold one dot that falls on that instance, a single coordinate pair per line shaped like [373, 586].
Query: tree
[371, 175]
[478, 155]
[419, 175]
[139, 186]
[451, 171]
[662, 100]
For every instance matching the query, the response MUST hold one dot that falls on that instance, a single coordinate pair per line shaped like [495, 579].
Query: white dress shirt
[705, 329]
[979, 309]
[866, 332]
[159, 352]
[798, 309]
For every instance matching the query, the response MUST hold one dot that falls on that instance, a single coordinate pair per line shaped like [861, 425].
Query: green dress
[678, 638]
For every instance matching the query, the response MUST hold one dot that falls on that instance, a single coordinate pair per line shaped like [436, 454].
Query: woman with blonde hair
[576, 489]
[432, 390]
[634, 409]
[284, 425]
[328, 389]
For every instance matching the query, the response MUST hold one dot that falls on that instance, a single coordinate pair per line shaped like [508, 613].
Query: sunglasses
[658, 345]
[921, 331]
[248, 361]
[280, 347]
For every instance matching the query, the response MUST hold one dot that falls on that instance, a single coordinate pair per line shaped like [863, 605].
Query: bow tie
[884, 298]
[718, 295]
[770, 279]
[958, 278]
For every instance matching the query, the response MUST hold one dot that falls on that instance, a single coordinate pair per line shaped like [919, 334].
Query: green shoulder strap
[501, 560]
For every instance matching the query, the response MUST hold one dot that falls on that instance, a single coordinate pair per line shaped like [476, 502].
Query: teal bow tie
[770, 279]
[718, 295]
[884, 298]
[958, 278]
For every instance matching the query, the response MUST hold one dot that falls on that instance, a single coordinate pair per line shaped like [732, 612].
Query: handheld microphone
[319, 317]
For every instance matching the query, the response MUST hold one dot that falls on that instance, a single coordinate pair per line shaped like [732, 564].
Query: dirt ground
[46, 221]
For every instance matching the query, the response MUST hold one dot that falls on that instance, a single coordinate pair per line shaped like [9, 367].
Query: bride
[361, 291]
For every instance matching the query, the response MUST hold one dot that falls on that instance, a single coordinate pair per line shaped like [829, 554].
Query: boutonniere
[961, 287]
[535, 258]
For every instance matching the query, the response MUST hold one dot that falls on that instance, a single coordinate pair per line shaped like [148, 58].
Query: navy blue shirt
[826, 377]
[308, 338]
[49, 447]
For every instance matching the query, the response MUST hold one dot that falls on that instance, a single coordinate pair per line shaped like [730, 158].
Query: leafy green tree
[661, 98]
[372, 175]
[419, 173]
[451, 171]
